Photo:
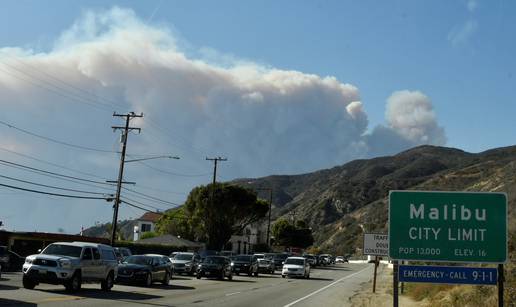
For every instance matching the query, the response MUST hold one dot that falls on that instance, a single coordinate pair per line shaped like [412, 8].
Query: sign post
[376, 244]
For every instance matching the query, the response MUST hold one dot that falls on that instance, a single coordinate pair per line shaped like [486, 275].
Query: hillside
[343, 202]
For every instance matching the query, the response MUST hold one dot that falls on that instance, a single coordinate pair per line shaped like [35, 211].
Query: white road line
[325, 287]
[229, 294]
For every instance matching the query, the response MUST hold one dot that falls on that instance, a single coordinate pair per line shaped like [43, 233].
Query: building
[145, 223]
[252, 235]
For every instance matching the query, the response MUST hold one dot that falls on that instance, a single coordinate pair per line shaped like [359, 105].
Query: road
[328, 286]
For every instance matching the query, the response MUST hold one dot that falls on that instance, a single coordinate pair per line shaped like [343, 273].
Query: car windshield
[138, 260]
[294, 261]
[243, 258]
[183, 257]
[63, 250]
[280, 257]
[213, 260]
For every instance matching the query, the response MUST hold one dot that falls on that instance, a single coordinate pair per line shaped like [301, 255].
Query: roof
[170, 240]
[150, 217]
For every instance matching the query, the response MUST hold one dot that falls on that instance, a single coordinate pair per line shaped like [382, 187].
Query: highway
[327, 286]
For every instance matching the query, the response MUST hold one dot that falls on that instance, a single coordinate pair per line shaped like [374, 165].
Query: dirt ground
[383, 296]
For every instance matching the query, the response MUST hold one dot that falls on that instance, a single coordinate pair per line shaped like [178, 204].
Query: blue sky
[439, 72]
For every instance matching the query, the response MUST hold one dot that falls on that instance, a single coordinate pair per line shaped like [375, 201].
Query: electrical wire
[53, 194]
[151, 198]
[52, 173]
[54, 140]
[50, 186]
[50, 163]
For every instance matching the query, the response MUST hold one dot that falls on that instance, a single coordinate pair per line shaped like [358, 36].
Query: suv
[186, 263]
[71, 264]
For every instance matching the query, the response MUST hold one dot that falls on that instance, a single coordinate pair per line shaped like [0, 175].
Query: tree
[215, 220]
[285, 233]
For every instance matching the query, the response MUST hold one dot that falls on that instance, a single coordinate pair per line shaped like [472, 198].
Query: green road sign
[448, 226]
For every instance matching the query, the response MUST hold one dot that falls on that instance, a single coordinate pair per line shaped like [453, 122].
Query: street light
[150, 158]
[120, 182]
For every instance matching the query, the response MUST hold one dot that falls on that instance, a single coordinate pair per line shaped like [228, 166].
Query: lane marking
[325, 287]
[229, 294]
[58, 299]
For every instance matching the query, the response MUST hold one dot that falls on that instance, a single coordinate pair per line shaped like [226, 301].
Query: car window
[108, 254]
[96, 254]
[87, 254]
[62, 250]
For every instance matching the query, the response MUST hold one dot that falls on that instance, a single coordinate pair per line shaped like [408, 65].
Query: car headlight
[28, 260]
[65, 263]
[232, 263]
[188, 263]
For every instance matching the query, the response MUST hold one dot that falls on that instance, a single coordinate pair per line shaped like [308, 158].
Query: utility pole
[215, 160]
[269, 223]
[125, 134]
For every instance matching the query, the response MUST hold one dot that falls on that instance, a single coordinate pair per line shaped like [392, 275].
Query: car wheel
[250, 273]
[282, 276]
[198, 275]
[237, 273]
[148, 280]
[256, 274]
[230, 276]
[166, 279]
[107, 284]
[74, 284]
[28, 283]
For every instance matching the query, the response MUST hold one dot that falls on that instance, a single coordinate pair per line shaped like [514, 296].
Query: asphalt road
[328, 286]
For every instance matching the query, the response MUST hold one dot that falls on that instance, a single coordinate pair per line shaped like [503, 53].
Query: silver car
[71, 264]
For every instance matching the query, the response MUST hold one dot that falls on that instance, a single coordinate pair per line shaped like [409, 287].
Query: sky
[276, 87]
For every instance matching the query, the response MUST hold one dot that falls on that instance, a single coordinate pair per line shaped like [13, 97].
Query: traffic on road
[92, 275]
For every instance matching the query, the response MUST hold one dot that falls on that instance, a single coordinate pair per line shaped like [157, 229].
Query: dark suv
[245, 264]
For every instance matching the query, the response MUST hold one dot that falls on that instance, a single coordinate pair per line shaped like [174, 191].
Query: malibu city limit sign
[448, 226]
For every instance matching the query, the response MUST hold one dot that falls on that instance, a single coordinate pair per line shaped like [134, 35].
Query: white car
[296, 267]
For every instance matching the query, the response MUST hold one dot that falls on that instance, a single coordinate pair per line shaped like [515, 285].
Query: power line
[52, 173]
[173, 173]
[53, 194]
[59, 88]
[50, 186]
[54, 140]
[50, 163]
[151, 197]
[54, 91]
[96, 96]
[144, 204]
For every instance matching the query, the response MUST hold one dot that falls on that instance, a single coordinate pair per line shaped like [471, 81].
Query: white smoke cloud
[264, 119]
[411, 114]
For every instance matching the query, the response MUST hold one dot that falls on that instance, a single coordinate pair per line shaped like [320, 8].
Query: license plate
[42, 271]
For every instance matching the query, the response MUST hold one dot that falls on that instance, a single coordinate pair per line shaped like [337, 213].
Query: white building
[145, 223]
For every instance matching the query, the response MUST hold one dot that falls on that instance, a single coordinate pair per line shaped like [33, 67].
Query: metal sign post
[395, 283]
[376, 244]
[501, 279]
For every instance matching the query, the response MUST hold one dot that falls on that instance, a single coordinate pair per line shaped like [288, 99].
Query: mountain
[343, 202]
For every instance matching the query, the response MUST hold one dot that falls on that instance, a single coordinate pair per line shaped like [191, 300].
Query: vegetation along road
[327, 286]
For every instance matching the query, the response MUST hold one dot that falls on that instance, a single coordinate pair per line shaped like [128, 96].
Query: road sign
[376, 244]
[448, 275]
[448, 226]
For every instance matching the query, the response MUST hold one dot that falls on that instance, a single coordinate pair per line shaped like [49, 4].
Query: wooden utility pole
[125, 133]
